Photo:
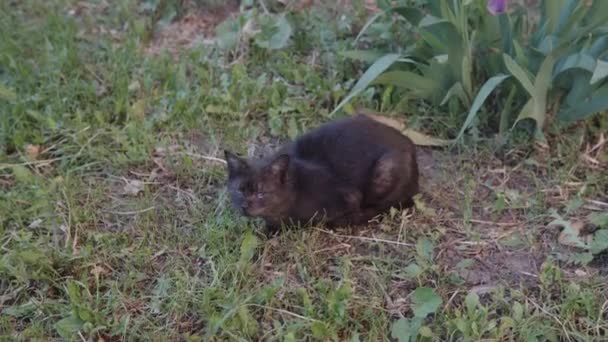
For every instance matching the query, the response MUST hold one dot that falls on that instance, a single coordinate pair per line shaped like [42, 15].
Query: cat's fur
[344, 172]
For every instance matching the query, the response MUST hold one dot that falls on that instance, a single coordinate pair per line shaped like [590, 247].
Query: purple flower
[496, 7]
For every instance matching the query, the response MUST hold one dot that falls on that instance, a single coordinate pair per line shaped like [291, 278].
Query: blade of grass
[368, 77]
[483, 93]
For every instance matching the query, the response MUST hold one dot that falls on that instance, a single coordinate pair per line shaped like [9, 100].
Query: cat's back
[357, 135]
[350, 146]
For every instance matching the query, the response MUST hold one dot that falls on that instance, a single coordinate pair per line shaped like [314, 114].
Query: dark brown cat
[344, 172]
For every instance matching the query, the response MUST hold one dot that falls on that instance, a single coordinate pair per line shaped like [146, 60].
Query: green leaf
[402, 330]
[599, 242]
[22, 310]
[280, 32]
[458, 91]
[485, 90]
[368, 56]
[518, 311]
[600, 71]
[412, 14]
[68, 326]
[368, 77]
[421, 86]
[227, 34]
[551, 12]
[248, 247]
[412, 271]
[592, 104]
[520, 74]
[599, 219]
[7, 93]
[22, 174]
[425, 301]
[424, 248]
[575, 61]
[471, 302]
[538, 108]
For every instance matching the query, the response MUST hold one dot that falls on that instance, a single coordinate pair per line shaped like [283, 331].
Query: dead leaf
[418, 138]
[572, 233]
[98, 270]
[422, 139]
[134, 86]
[32, 151]
[391, 122]
[133, 187]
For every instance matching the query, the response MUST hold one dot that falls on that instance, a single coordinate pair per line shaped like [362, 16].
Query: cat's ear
[278, 167]
[234, 163]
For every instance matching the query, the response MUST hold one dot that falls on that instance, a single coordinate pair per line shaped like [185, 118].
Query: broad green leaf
[402, 330]
[363, 55]
[68, 326]
[425, 302]
[227, 34]
[485, 90]
[248, 246]
[551, 12]
[471, 301]
[600, 71]
[599, 219]
[537, 111]
[594, 103]
[519, 73]
[280, 32]
[458, 91]
[424, 248]
[412, 271]
[419, 85]
[368, 77]
[599, 242]
[575, 61]
[566, 15]
[412, 14]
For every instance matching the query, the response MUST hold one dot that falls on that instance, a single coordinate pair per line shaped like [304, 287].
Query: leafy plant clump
[538, 63]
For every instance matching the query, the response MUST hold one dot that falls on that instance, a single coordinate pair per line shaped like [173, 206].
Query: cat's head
[260, 187]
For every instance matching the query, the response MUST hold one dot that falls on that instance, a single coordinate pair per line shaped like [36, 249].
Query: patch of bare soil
[195, 27]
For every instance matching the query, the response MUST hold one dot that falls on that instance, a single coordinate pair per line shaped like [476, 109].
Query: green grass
[114, 221]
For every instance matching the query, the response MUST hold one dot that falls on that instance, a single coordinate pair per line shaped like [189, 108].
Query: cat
[344, 172]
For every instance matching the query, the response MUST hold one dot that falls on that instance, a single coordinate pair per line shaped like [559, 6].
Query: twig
[447, 304]
[210, 158]
[552, 316]
[34, 162]
[293, 314]
[264, 7]
[135, 212]
[364, 238]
